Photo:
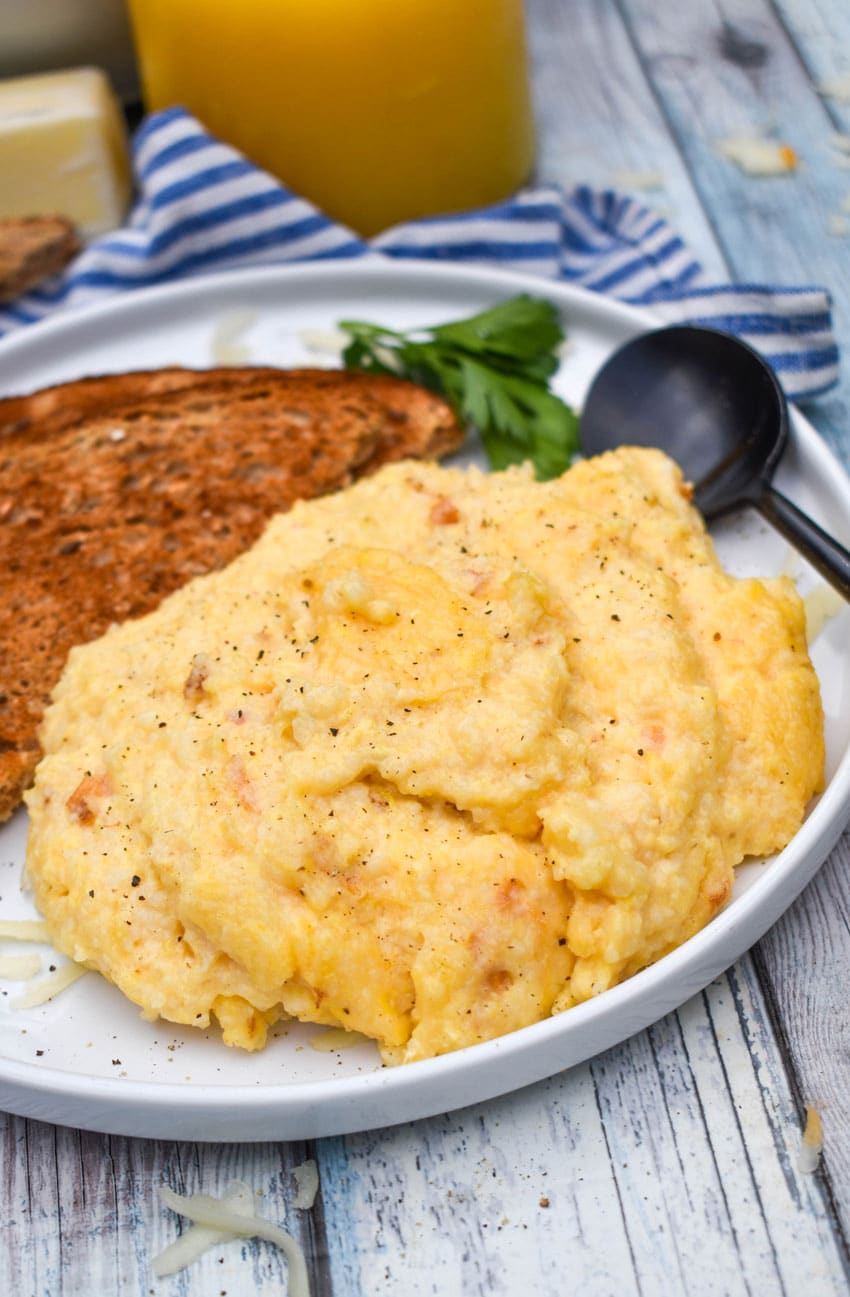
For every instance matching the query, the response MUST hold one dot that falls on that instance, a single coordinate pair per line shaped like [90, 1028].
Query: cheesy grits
[443, 754]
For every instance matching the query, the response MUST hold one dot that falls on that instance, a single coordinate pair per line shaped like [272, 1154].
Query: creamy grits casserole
[444, 753]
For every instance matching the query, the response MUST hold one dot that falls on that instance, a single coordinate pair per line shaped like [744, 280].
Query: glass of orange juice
[376, 110]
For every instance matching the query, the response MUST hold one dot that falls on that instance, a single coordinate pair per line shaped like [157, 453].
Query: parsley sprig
[494, 370]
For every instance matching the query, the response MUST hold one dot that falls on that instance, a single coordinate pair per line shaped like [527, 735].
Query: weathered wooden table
[669, 1164]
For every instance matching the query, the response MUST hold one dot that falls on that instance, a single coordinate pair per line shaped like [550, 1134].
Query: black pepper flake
[615, 616]
[640, 752]
[135, 880]
[562, 941]
[260, 655]
[91, 893]
[163, 725]
[334, 730]
[116, 1062]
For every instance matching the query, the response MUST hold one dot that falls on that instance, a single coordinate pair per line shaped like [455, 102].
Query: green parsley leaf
[493, 368]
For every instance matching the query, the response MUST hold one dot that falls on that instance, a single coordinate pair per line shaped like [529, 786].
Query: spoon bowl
[716, 407]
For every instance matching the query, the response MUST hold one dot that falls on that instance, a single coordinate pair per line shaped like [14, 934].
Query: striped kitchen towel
[203, 207]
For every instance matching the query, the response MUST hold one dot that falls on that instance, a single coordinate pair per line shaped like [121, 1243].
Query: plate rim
[265, 277]
[146, 1107]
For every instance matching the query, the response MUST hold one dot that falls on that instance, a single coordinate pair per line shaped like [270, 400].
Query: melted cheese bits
[811, 1145]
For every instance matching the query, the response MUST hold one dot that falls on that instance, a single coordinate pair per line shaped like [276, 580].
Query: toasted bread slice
[43, 413]
[419, 425]
[31, 248]
[102, 517]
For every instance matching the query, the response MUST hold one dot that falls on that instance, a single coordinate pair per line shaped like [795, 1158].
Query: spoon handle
[826, 554]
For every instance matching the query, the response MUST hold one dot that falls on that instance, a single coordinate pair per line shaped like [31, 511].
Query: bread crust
[31, 248]
[115, 491]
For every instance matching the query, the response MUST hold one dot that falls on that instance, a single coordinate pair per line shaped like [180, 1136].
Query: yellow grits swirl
[443, 754]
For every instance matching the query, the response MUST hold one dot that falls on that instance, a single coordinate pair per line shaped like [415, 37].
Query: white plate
[87, 1059]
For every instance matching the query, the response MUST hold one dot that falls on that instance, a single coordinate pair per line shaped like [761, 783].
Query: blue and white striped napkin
[203, 207]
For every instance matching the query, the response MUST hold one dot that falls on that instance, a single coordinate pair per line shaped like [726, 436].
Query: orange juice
[376, 110]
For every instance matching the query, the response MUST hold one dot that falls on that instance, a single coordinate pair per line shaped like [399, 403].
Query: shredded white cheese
[836, 88]
[194, 1241]
[24, 930]
[324, 342]
[792, 564]
[812, 1143]
[821, 605]
[49, 987]
[222, 1219]
[757, 155]
[639, 180]
[306, 1177]
[227, 346]
[19, 968]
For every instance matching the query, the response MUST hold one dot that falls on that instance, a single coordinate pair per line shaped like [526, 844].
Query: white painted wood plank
[669, 1165]
[732, 1207]
[707, 97]
[43, 1240]
[820, 30]
[453, 1205]
[771, 229]
[86, 1218]
[805, 962]
[765, 1111]
[766, 224]
[598, 121]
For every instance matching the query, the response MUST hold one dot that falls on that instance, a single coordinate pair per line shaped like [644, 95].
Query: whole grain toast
[45, 412]
[107, 506]
[31, 248]
[419, 424]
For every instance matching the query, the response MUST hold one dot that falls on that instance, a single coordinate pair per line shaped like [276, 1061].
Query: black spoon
[716, 407]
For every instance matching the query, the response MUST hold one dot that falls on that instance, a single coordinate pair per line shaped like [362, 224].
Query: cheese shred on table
[218, 1220]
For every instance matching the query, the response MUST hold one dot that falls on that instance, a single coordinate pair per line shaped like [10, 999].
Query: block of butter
[63, 149]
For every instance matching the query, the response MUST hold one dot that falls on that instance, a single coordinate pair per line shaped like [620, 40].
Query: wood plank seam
[616, 1183]
[731, 982]
[824, 1177]
[669, 122]
[709, 1138]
